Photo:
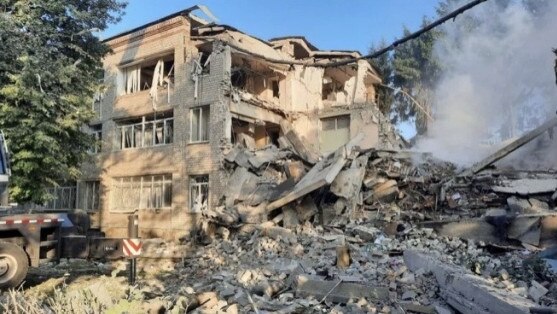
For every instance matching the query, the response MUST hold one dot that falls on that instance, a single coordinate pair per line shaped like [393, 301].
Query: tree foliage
[49, 64]
[384, 65]
[412, 70]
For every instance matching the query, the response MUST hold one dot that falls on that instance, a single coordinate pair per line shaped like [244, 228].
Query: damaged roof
[185, 12]
[309, 44]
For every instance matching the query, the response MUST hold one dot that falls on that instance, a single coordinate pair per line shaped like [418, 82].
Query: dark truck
[27, 240]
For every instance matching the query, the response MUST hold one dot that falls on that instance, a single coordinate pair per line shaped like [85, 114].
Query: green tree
[49, 64]
[416, 71]
[384, 65]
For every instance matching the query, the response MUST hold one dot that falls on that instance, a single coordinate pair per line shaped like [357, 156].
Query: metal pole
[133, 233]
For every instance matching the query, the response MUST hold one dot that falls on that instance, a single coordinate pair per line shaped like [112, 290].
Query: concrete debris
[337, 292]
[464, 291]
[297, 143]
[536, 291]
[341, 235]
[526, 186]
[338, 233]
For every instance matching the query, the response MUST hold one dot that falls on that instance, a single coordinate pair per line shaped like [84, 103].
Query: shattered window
[154, 72]
[205, 63]
[151, 131]
[144, 192]
[335, 132]
[199, 124]
[199, 193]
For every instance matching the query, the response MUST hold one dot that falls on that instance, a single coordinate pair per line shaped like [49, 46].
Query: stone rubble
[340, 240]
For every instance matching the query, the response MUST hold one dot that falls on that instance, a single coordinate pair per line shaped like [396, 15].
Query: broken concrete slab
[366, 233]
[297, 143]
[516, 144]
[235, 184]
[526, 206]
[323, 173]
[526, 186]
[386, 191]
[464, 291]
[266, 156]
[320, 175]
[348, 183]
[518, 205]
[279, 233]
[337, 291]
[536, 291]
[478, 229]
[525, 229]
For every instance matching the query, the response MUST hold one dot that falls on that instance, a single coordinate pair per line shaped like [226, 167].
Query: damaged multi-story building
[180, 89]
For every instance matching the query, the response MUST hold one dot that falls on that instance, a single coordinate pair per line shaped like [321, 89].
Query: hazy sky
[328, 24]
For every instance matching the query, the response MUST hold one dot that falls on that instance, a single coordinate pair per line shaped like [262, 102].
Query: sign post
[132, 246]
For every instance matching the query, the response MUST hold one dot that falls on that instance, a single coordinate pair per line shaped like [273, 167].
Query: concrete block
[348, 182]
[536, 291]
[306, 287]
[518, 205]
[366, 233]
[464, 291]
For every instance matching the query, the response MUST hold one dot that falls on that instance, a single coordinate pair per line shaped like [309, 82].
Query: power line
[375, 54]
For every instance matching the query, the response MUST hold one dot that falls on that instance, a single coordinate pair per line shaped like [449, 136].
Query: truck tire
[14, 264]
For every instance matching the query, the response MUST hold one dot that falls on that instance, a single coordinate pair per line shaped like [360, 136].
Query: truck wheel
[14, 265]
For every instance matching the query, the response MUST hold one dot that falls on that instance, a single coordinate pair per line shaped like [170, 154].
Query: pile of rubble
[360, 231]
[374, 231]
[391, 189]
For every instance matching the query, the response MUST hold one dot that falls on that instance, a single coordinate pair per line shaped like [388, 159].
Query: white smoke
[498, 80]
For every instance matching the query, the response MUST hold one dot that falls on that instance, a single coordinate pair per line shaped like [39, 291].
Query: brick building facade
[179, 90]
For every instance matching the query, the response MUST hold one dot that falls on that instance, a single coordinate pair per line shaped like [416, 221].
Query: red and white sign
[132, 247]
[25, 221]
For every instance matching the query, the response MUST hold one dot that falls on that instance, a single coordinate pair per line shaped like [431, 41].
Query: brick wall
[182, 158]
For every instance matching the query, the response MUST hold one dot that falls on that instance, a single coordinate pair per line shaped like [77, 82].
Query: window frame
[193, 184]
[168, 59]
[336, 118]
[145, 200]
[200, 124]
[139, 142]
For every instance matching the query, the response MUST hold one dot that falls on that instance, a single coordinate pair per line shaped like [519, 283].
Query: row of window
[151, 131]
[148, 131]
[145, 133]
[129, 194]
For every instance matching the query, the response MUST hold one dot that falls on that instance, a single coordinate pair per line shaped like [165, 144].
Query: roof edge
[162, 19]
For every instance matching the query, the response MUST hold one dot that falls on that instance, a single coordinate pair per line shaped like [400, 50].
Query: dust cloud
[497, 82]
